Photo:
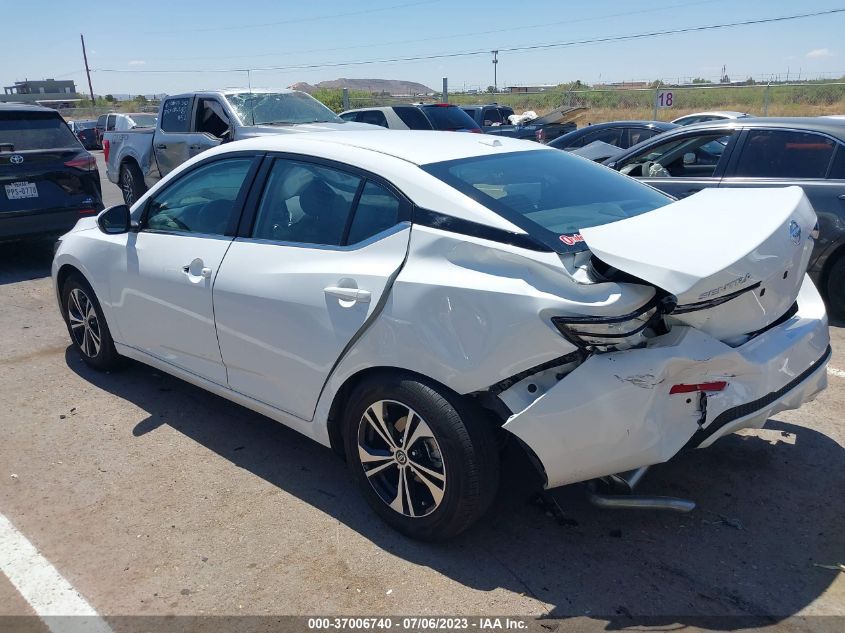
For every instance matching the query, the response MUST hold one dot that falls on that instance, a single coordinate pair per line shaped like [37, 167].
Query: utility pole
[88, 73]
[495, 75]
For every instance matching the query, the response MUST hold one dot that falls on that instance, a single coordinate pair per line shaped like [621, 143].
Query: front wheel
[425, 460]
[87, 326]
[131, 182]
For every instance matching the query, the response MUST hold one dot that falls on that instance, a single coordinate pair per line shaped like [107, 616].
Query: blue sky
[220, 35]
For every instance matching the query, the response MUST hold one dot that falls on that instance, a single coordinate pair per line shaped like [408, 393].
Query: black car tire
[131, 182]
[460, 435]
[88, 329]
[835, 288]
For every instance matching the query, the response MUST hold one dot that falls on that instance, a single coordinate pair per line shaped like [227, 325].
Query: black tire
[131, 182]
[87, 326]
[835, 288]
[458, 443]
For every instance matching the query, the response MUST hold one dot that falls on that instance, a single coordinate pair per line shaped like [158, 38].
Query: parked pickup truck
[194, 122]
[493, 119]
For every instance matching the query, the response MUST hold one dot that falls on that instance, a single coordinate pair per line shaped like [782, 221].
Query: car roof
[826, 125]
[230, 91]
[731, 114]
[419, 147]
[644, 123]
[6, 106]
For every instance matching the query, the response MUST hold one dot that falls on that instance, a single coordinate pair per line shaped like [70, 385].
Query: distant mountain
[378, 86]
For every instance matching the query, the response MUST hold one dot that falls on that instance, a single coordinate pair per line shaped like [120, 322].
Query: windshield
[284, 108]
[550, 194]
[34, 130]
[143, 120]
[85, 125]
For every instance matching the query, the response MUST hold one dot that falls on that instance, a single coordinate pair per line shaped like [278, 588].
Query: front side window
[550, 194]
[687, 156]
[305, 203]
[211, 118]
[349, 116]
[784, 154]
[640, 134]
[492, 116]
[110, 123]
[176, 114]
[204, 200]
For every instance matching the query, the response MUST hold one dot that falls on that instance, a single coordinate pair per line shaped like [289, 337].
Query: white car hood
[263, 130]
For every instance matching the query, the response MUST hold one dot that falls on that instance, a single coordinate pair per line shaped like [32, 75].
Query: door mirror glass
[689, 158]
[114, 220]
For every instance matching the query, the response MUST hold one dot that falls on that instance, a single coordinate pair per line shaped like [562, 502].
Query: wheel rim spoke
[408, 474]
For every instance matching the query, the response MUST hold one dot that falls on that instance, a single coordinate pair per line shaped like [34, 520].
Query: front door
[304, 279]
[161, 291]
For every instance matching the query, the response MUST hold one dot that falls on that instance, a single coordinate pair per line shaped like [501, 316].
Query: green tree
[110, 98]
[491, 89]
[700, 80]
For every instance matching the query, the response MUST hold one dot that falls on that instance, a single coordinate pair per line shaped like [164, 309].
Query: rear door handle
[348, 294]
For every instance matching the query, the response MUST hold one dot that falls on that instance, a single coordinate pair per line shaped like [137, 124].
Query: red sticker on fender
[571, 240]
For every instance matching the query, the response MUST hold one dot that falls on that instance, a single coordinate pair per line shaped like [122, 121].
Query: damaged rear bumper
[614, 412]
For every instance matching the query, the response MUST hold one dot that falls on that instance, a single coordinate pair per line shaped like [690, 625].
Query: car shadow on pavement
[769, 516]
[23, 261]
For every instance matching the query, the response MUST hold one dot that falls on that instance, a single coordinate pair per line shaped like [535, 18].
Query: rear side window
[784, 154]
[492, 116]
[377, 210]
[21, 131]
[176, 115]
[110, 122]
[348, 116]
[450, 118]
[305, 203]
[550, 194]
[412, 117]
[373, 117]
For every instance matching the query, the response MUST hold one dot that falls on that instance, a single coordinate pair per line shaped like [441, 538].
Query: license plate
[20, 190]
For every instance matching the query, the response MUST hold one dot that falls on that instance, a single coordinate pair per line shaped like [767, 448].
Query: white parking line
[839, 373]
[43, 587]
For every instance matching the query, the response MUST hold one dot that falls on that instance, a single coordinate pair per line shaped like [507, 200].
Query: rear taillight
[106, 148]
[87, 211]
[716, 385]
[83, 161]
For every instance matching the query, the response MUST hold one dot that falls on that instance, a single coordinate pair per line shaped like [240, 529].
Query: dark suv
[433, 116]
[47, 179]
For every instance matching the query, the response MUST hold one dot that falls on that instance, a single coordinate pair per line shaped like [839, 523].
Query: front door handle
[197, 269]
[842, 197]
[348, 294]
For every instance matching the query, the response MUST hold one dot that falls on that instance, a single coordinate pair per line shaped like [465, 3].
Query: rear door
[303, 278]
[780, 158]
[683, 164]
[173, 135]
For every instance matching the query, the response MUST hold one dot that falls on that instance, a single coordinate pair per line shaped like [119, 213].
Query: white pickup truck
[194, 122]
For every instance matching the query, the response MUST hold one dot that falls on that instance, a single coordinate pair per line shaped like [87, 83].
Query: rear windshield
[143, 120]
[34, 130]
[550, 194]
[450, 118]
[85, 125]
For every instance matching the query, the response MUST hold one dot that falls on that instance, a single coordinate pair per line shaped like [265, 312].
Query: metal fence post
[346, 98]
[656, 91]
[445, 90]
[766, 100]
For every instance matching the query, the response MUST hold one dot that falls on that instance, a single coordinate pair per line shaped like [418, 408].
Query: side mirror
[114, 220]
[689, 158]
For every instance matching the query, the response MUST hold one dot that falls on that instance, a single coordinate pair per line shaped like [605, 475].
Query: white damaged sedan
[412, 298]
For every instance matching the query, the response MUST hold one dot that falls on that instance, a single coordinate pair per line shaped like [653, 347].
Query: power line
[458, 35]
[486, 51]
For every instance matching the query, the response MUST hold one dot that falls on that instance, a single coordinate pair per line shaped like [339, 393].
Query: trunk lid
[735, 259]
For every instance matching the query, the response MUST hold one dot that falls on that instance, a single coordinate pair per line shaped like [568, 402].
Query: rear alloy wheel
[425, 460]
[87, 326]
[836, 288]
[131, 182]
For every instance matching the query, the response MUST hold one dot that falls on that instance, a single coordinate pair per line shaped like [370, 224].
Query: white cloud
[137, 62]
[817, 53]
